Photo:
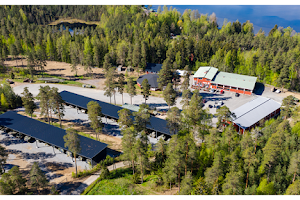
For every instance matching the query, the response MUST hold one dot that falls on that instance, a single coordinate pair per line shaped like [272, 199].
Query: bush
[12, 75]
[136, 178]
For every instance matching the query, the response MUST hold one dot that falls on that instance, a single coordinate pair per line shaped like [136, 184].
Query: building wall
[100, 156]
[203, 80]
[273, 114]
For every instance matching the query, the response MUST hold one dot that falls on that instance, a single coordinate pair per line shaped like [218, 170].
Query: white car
[220, 103]
[277, 91]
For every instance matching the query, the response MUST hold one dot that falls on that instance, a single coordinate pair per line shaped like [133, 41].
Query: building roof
[253, 111]
[156, 124]
[131, 107]
[48, 133]
[153, 67]
[152, 80]
[206, 72]
[235, 80]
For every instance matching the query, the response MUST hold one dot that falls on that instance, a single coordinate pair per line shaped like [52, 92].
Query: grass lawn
[120, 182]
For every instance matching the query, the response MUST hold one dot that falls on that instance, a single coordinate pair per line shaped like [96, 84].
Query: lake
[262, 16]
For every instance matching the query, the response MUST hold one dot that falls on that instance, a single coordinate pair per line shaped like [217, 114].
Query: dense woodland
[198, 159]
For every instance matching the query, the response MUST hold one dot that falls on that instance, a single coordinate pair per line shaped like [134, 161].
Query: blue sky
[262, 16]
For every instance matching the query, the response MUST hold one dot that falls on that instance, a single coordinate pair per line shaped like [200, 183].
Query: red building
[209, 77]
[250, 114]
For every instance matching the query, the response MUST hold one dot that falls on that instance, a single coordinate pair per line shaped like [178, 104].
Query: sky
[262, 16]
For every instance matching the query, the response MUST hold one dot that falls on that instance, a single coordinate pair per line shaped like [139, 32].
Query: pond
[73, 26]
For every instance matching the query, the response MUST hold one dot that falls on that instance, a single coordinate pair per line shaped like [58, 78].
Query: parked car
[204, 100]
[27, 80]
[9, 81]
[222, 92]
[218, 107]
[237, 94]
[210, 106]
[277, 91]
[212, 90]
[220, 103]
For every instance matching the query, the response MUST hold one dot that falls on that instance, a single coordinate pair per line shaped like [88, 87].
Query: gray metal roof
[131, 107]
[253, 111]
[235, 80]
[152, 80]
[206, 72]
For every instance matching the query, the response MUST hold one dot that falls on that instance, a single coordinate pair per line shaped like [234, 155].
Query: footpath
[90, 180]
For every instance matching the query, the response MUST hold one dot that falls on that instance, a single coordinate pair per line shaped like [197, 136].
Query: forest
[263, 161]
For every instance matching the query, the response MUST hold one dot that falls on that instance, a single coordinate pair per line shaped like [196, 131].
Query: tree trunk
[179, 183]
[132, 161]
[76, 164]
[170, 186]
[247, 176]
[59, 116]
[186, 157]
[115, 97]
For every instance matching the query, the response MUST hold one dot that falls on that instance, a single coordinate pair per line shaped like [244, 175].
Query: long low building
[111, 111]
[248, 115]
[210, 77]
[90, 149]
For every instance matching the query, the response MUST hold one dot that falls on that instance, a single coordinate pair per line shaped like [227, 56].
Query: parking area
[57, 166]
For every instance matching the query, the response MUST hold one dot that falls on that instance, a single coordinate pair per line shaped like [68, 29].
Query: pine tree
[173, 120]
[110, 84]
[121, 85]
[3, 158]
[4, 103]
[294, 188]
[142, 118]
[169, 95]
[186, 82]
[57, 104]
[294, 168]
[44, 97]
[212, 174]
[146, 89]
[131, 90]
[224, 116]
[128, 141]
[141, 152]
[125, 120]
[95, 114]
[165, 74]
[37, 177]
[186, 97]
[187, 186]
[12, 182]
[28, 102]
[72, 142]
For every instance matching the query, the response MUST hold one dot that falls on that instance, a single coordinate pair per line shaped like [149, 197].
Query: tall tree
[95, 114]
[186, 81]
[186, 97]
[110, 83]
[165, 75]
[121, 85]
[57, 104]
[141, 152]
[294, 167]
[3, 158]
[224, 116]
[173, 120]
[131, 90]
[125, 120]
[146, 89]
[175, 159]
[13, 182]
[169, 95]
[37, 177]
[72, 142]
[128, 141]
[44, 97]
[142, 118]
[28, 102]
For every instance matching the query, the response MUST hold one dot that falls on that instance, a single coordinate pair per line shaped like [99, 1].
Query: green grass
[120, 183]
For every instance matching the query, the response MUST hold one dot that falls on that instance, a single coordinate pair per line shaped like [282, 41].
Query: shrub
[136, 178]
